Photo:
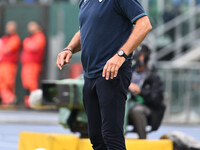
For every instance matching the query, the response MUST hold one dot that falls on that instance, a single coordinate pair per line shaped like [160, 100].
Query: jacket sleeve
[12, 45]
[1, 45]
[35, 44]
[152, 91]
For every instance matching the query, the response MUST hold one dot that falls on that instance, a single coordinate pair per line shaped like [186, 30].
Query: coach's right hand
[63, 58]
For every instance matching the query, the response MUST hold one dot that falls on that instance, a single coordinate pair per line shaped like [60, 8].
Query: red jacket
[9, 48]
[34, 48]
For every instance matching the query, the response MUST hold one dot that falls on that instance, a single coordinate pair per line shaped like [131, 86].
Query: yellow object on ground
[42, 141]
[149, 144]
[134, 144]
[84, 144]
[36, 141]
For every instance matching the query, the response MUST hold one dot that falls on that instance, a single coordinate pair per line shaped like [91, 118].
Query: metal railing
[182, 93]
[180, 39]
[178, 44]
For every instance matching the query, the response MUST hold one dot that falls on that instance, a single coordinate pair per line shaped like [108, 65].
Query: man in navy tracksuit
[109, 32]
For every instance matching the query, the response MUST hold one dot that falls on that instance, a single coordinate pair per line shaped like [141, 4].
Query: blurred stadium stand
[175, 40]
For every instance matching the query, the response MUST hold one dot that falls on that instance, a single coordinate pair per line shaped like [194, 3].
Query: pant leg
[1, 79]
[138, 116]
[8, 78]
[112, 99]
[30, 76]
[91, 105]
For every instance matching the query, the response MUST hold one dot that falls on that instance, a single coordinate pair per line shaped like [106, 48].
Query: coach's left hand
[112, 66]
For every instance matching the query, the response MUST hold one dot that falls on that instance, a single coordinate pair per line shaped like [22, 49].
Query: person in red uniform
[32, 58]
[9, 50]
